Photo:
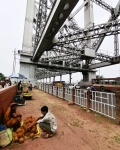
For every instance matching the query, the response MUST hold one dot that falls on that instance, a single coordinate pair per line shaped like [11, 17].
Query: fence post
[57, 91]
[44, 87]
[63, 92]
[52, 90]
[88, 99]
[48, 88]
[73, 97]
[117, 95]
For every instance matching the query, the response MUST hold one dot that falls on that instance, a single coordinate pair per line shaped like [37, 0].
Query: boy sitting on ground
[47, 122]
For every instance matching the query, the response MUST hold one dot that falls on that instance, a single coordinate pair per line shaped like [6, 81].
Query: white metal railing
[47, 88]
[60, 92]
[40, 86]
[81, 97]
[55, 90]
[44, 87]
[101, 102]
[104, 103]
[68, 94]
[50, 89]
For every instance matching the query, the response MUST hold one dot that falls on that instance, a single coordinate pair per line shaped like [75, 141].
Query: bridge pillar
[54, 78]
[63, 63]
[88, 76]
[70, 78]
[88, 14]
[27, 69]
[60, 77]
[49, 79]
[88, 21]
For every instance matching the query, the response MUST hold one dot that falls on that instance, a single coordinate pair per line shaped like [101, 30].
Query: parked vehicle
[75, 86]
[107, 84]
[58, 83]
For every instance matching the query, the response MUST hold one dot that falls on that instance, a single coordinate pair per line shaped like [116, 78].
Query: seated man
[47, 122]
[91, 88]
[29, 86]
[11, 118]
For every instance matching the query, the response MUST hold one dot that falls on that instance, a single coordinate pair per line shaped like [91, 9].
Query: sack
[5, 137]
[2, 127]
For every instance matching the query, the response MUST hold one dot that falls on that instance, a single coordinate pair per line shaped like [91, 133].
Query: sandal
[47, 136]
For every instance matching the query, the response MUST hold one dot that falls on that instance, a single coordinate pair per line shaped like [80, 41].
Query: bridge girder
[60, 11]
[92, 32]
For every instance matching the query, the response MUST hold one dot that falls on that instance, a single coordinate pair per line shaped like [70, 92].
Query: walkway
[77, 129]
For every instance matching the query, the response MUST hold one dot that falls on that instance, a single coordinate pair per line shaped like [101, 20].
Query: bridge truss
[68, 50]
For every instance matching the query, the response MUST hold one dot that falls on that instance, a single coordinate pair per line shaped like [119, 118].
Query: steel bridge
[54, 43]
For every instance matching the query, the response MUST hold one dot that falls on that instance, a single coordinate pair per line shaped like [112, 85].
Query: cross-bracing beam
[104, 5]
[114, 16]
[40, 23]
[41, 73]
[92, 32]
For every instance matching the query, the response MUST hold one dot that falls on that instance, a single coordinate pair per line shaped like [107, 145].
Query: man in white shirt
[47, 122]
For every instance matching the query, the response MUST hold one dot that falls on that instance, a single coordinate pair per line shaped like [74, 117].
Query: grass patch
[117, 139]
[98, 119]
[76, 122]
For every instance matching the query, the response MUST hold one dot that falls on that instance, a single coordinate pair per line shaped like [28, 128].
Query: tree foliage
[2, 76]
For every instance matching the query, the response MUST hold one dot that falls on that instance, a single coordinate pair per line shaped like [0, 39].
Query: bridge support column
[54, 78]
[49, 79]
[88, 76]
[89, 21]
[70, 78]
[27, 69]
[63, 63]
[60, 77]
[88, 14]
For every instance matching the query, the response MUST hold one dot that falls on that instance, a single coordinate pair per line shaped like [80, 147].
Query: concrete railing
[6, 97]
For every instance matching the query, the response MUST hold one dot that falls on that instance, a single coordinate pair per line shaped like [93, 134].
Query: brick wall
[6, 97]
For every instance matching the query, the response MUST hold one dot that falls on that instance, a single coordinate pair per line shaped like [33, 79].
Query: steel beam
[116, 13]
[60, 11]
[104, 5]
[79, 8]
[92, 32]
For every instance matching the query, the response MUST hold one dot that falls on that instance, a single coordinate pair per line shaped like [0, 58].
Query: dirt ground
[78, 129]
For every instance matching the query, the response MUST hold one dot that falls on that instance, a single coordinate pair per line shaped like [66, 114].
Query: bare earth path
[77, 129]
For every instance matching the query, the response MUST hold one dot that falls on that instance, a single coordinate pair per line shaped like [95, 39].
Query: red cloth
[3, 82]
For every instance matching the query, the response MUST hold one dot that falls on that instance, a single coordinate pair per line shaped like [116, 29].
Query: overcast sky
[12, 15]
